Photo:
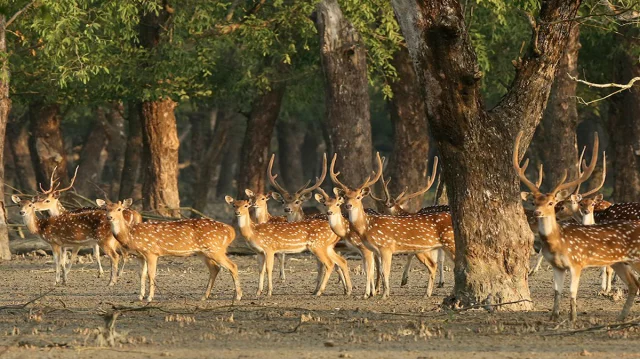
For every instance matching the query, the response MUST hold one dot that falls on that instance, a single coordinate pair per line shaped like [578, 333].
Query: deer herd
[574, 230]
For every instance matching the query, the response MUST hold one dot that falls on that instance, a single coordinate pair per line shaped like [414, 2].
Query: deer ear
[15, 199]
[526, 196]
[127, 202]
[101, 202]
[277, 196]
[365, 191]
[562, 195]
[56, 194]
[249, 193]
[305, 197]
[599, 197]
[269, 194]
[338, 191]
[340, 199]
[576, 197]
[319, 198]
[229, 199]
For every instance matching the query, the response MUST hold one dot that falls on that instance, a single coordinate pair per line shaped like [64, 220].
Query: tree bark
[408, 165]
[230, 160]
[493, 240]
[18, 139]
[253, 158]
[92, 156]
[311, 150]
[211, 160]
[133, 153]
[116, 147]
[347, 115]
[555, 142]
[290, 139]
[624, 121]
[46, 144]
[5, 106]
[202, 124]
[160, 151]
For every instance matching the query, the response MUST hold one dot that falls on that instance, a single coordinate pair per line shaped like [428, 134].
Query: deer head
[115, 212]
[545, 203]
[49, 200]
[26, 206]
[332, 205]
[293, 202]
[354, 196]
[241, 207]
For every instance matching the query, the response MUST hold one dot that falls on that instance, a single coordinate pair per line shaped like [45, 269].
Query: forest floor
[67, 321]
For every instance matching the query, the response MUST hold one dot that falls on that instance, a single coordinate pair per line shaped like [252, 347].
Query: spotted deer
[387, 235]
[395, 207]
[71, 230]
[204, 237]
[48, 201]
[261, 215]
[269, 238]
[573, 247]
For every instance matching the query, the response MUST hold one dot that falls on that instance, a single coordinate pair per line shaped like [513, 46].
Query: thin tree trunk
[624, 122]
[347, 116]
[46, 144]
[91, 156]
[555, 141]
[493, 240]
[310, 148]
[18, 139]
[408, 165]
[5, 106]
[116, 148]
[230, 161]
[211, 160]
[253, 158]
[202, 124]
[290, 138]
[160, 151]
[133, 153]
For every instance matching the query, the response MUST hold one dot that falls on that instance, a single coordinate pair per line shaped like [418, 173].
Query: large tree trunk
[555, 141]
[18, 139]
[46, 144]
[290, 139]
[160, 151]
[93, 156]
[408, 165]
[347, 114]
[5, 106]
[253, 158]
[116, 148]
[211, 160]
[133, 153]
[230, 160]
[493, 240]
[624, 122]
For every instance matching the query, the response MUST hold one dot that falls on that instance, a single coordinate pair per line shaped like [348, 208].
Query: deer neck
[588, 219]
[246, 226]
[121, 231]
[548, 229]
[295, 216]
[358, 219]
[397, 210]
[33, 224]
[339, 225]
[262, 215]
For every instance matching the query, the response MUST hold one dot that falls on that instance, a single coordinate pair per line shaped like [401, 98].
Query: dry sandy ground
[68, 321]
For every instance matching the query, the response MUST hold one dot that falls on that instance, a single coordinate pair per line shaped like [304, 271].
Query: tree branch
[621, 88]
[13, 18]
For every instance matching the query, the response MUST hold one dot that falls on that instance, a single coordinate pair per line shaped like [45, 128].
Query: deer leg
[143, 276]
[441, 268]
[262, 268]
[385, 262]
[344, 270]
[124, 255]
[283, 277]
[152, 263]
[327, 267]
[427, 260]
[558, 285]
[321, 273]
[269, 260]
[74, 256]
[405, 273]
[227, 264]
[575, 282]
[96, 255]
[379, 282]
[368, 263]
[214, 269]
[57, 253]
[115, 258]
[535, 269]
[626, 275]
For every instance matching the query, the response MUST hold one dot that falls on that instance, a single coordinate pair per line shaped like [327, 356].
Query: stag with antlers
[573, 247]
[387, 235]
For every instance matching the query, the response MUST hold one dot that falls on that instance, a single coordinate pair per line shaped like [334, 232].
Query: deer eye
[119, 209]
[358, 197]
[551, 203]
[47, 201]
[297, 202]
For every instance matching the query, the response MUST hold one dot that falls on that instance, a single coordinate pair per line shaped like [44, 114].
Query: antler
[585, 174]
[72, 181]
[367, 183]
[385, 192]
[604, 176]
[579, 171]
[334, 175]
[52, 182]
[272, 178]
[323, 193]
[520, 170]
[319, 181]
[402, 199]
